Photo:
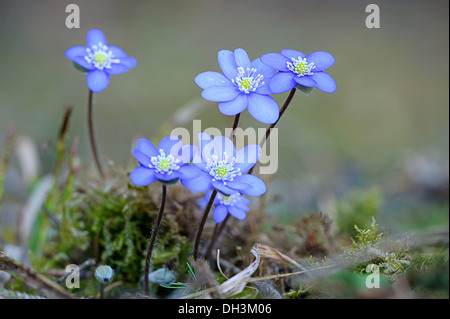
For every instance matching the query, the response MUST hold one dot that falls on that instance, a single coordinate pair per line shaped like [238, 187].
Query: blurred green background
[388, 116]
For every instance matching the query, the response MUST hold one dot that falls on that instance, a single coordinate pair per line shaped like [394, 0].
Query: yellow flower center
[301, 67]
[222, 171]
[164, 164]
[100, 57]
[245, 84]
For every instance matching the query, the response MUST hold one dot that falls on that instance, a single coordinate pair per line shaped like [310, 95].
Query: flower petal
[223, 145]
[242, 207]
[170, 145]
[237, 213]
[235, 106]
[276, 61]
[189, 171]
[146, 147]
[128, 61]
[257, 185]
[244, 201]
[173, 177]
[187, 153]
[97, 80]
[263, 69]
[220, 93]
[118, 52]
[325, 82]
[220, 212]
[94, 37]
[282, 82]
[292, 54]
[247, 157]
[237, 185]
[141, 157]
[227, 63]
[210, 78]
[200, 183]
[223, 188]
[322, 60]
[74, 52]
[242, 59]
[80, 60]
[305, 81]
[116, 69]
[263, 108]
[142, 176]
[204, 152]
[267, 73]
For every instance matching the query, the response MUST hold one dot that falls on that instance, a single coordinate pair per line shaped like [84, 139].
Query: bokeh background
[386, 126]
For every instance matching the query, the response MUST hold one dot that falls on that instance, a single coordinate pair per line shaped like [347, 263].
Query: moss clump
[368, 251]
[357, 209]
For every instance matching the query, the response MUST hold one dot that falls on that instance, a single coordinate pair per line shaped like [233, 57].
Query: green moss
[358, 209]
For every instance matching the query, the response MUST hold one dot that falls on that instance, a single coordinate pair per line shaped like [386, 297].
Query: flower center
[100, 56]
[228, 200]
[164, 164]
[247, 80]
[300, 66]
[222, 170]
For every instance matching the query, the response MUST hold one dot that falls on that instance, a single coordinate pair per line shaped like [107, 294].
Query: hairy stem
[261, 144]
[202, 223]
[235, 125]
[216, 228]
[153, 239]
[91, 133]
[269, 129]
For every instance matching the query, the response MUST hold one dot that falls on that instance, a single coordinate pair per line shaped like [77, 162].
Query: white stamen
[164, 164]
[100, 55]
[300, 66]
[229, 200]
[222, 170]
[247, 81]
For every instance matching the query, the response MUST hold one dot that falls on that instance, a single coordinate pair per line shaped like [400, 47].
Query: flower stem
[153, 239]
[235, 125]
[269, 129]
[91, 133]
[216, 228]
[261, 144]
[202, 223]
[217, 231]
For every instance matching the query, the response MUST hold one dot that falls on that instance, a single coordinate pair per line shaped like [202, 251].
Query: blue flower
[100, 60]
[167, 163]
[297, 68]
[236, 205]
[223, 168]
[243, 85]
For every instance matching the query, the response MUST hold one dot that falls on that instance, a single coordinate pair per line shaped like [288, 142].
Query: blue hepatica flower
[100, 60]
[297, 68]
[167, 163]
[223, 168]
[236, 205]
[244, 84]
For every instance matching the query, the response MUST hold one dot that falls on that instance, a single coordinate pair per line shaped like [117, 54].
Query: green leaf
[304, 89]
[79, 67]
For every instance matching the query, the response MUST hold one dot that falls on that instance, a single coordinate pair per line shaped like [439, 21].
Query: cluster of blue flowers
[243, 84]
[215, 167]
[217, 164]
